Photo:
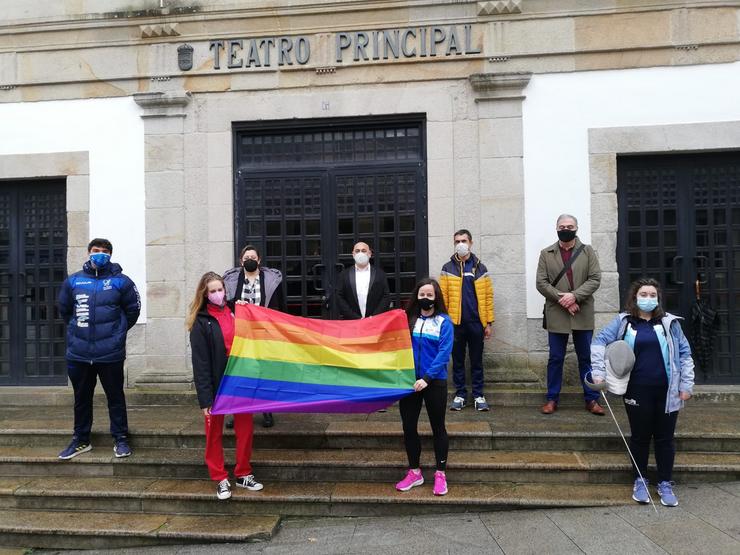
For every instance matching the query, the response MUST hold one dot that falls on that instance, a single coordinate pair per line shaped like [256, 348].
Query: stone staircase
[319, 465]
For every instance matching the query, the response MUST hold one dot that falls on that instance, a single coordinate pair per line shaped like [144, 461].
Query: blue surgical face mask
[100, 259]
[647, 304]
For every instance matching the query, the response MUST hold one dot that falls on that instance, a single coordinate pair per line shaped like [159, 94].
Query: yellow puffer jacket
[451, 281]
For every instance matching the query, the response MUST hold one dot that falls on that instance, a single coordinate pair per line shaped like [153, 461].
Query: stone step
[357, 465]
[700, 428]
[113, 529]
[505, 388]
[197, 497]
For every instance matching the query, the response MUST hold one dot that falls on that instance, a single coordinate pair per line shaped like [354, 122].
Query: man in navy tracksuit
[99, 304]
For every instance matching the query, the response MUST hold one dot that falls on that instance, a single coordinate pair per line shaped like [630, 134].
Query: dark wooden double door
[679, 221]
[305, 193]
[33, 254]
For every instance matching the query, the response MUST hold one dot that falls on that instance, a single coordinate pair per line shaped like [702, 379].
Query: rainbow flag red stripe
[285, 363]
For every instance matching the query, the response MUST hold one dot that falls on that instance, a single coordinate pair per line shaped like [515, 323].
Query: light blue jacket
[681, 377]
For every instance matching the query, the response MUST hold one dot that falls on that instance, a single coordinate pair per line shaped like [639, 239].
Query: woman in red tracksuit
[211, 324]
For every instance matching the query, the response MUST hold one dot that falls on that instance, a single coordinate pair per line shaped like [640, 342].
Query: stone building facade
[147, 113]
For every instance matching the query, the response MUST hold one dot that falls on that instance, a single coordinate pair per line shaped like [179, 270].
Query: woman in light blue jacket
[661, 380]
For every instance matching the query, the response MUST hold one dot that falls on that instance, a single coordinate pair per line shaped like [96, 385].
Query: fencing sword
[601, 387]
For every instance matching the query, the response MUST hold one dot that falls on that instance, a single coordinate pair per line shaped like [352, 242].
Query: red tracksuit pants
[215, 450]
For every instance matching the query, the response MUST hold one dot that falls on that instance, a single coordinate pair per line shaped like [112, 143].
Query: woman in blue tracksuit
[659, 383]
[432, 334]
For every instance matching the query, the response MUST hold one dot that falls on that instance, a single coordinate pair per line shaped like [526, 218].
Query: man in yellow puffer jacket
[468, 294]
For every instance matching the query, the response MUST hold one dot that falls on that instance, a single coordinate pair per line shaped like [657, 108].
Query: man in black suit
[363, 288]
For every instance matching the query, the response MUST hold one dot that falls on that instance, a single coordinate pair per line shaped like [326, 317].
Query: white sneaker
[248, 482]
[480, 404]
[223, 490]
[457, 403]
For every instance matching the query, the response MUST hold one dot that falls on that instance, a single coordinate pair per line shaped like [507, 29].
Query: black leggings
[435, 399]
[645, 405]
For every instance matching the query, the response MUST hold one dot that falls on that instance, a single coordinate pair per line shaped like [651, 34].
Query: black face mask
[250, 265]
[566, 235]
[426, 303]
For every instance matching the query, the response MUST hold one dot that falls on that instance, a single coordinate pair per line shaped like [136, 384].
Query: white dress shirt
[362, 281]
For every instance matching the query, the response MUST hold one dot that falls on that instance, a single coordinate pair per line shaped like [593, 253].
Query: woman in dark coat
[211, 324]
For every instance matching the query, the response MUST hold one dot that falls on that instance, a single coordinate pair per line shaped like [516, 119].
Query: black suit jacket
[378, 294]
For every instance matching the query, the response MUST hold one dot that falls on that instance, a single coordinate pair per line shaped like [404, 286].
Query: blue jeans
[558, 343]
[470, 335]
[84, 378]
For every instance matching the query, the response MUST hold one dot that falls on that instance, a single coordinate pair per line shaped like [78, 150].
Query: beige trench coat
[586, 280]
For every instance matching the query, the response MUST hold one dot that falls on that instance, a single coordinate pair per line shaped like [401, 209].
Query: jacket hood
[666, 320]
[455, 259]
[232, 272]
[111, 269]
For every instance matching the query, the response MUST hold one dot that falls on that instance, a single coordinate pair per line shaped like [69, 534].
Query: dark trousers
[84, 378]
[434, 397]
[645, 405]
[470, 335]
[558, 343]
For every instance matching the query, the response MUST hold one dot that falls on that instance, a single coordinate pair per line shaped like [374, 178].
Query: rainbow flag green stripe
[272, 368]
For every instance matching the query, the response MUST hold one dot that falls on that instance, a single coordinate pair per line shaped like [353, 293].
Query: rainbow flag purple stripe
[284, 363]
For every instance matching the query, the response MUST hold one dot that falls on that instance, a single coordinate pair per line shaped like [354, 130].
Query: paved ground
[707, 521]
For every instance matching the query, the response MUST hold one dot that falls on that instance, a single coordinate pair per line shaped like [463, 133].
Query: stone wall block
[196, 264]
[163, 153]
[195, 150]
[166, 299]
[220, 185]
[465, 139]
[508, 295]
[196, 187]
[467, 216]
[136, 340]
[536, 334]
[78, 229]
[76, 257]
[221, 255]
[502, 214]
[220, 223]
[173, 366]
[501, 177]
[467, 179]
[605, 245]
[619, 31]
[603, 173]
[607, 296]
[441, 216]
[134, 367]
[439, 140]
[440, 251]
[165, 263]
[78, 193]
[165, 226]
[440, 178]
[604, 213]
[509, 333]
[53, 164]
[502, 254]
[530, 36]
[499, 108]
[219, 149]
[166, 336]
[500, 137]
[165, 125]
[165, 189]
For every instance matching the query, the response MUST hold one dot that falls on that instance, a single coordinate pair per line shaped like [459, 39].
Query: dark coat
[378, 294]
[99, 306]
[209, 357]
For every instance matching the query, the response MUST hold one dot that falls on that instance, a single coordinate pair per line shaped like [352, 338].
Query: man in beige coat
[569, 307]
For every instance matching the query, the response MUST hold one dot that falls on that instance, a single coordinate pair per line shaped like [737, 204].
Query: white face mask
[462, 249]
[361, 258]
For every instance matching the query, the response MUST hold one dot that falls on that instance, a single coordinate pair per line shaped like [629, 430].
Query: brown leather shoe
[594, 408]
[549, 407]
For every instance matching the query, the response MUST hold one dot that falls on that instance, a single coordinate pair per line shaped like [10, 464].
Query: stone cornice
[163, 104]
[498, 86]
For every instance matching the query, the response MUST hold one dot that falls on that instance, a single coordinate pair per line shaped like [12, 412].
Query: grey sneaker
[480, 404]
[457, 403]
[248, 482]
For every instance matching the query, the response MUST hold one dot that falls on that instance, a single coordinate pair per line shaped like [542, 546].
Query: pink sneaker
[413, 478]
[440, 483]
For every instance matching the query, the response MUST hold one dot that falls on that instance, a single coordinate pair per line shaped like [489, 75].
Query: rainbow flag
[284, 363]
